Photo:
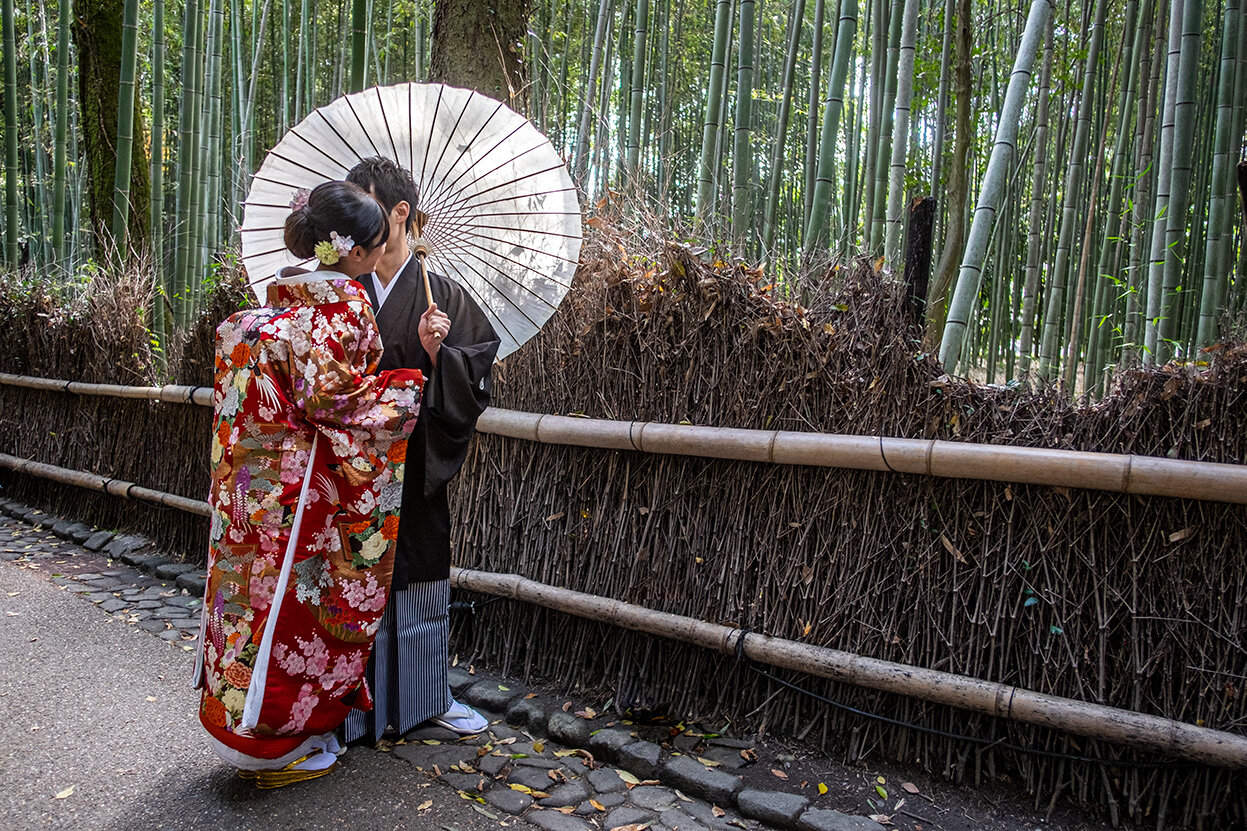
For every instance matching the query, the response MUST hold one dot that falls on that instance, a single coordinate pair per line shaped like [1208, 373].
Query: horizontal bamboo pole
[170, 393]
[1122, 727]
[1122, 473]
[104, 484]
[1146, 475]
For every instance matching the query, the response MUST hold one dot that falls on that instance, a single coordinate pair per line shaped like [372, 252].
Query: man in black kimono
[453, 344]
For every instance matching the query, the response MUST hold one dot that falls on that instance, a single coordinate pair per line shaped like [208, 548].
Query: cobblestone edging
[557, 765]
[124, 575]
[634, 781]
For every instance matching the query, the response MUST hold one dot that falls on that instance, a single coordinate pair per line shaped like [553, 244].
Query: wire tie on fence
[883, 455]
[740, 645]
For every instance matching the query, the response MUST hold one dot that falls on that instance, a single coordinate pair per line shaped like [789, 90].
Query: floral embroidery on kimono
[295, 376]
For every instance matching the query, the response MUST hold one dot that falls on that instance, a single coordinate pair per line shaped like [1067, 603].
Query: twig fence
[1095, 470]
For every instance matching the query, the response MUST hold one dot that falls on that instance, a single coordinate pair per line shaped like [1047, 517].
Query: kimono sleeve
[458, 390]
[332, 367]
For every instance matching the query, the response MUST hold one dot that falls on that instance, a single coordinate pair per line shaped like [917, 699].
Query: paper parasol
[503, 215]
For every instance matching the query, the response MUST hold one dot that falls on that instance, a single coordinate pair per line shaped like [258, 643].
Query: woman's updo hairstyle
[336, 206]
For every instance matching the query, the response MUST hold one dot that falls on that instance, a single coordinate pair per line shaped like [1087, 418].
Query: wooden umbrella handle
[421, 250]
[424, 272]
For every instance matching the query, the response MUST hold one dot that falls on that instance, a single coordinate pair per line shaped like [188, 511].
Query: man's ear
[401, 211]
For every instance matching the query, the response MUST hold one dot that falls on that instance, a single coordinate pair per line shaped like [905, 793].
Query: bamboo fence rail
[1121, 473]
[1139, 730]
[104, 484]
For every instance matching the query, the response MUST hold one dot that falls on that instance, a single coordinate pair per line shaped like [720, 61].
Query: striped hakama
[408, 670]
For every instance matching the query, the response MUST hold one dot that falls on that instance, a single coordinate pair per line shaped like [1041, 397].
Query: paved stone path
[556, 765]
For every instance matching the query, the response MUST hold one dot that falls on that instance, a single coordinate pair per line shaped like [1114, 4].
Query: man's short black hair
[389, 182]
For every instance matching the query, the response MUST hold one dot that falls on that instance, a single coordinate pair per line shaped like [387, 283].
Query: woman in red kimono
[308, 451]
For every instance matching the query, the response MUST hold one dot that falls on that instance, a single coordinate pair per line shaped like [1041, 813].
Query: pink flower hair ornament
[299, 202]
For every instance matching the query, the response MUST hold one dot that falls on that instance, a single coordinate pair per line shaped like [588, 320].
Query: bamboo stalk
[820, 204]
[992, 188]
[126, 95]
[1218, 258]
[10, 135]
[60, 244]
[708, 164]
[742, 153]
[900, 136]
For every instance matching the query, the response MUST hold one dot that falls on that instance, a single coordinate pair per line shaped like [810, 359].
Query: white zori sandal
[461, 719]
[321, 761]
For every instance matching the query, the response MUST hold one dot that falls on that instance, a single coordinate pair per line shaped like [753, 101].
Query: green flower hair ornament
[332, 250]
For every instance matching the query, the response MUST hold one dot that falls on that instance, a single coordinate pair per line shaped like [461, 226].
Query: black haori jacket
[455, 394]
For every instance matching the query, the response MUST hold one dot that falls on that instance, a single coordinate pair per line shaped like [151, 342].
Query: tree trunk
[97, 38]
[958, 175]
[480, 46]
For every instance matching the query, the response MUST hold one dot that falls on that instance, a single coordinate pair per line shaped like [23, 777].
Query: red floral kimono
[308, 457]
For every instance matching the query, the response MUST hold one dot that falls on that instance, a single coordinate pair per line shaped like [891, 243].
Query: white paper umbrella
[503, 215]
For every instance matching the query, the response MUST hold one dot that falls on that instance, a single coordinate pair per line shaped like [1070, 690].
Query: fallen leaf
[531, 695]
[1179, 536]
[779, 773]
[151, 698]
[749, 755]
[952, 549]
[424, 806]
[504, 689]
[882, 819]
[822, 788]
[66, 793]
[587, 712]
[909, 787]
[717, 811]
[539, 746]
[879, 789]
[633, 826]
[710, 763]
[598, 805]
[628, 777]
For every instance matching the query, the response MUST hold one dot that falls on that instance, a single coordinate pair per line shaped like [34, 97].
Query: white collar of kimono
[383, 290]
[292, 275]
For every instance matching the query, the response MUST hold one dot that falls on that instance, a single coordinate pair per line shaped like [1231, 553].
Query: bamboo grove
[1085, 157]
